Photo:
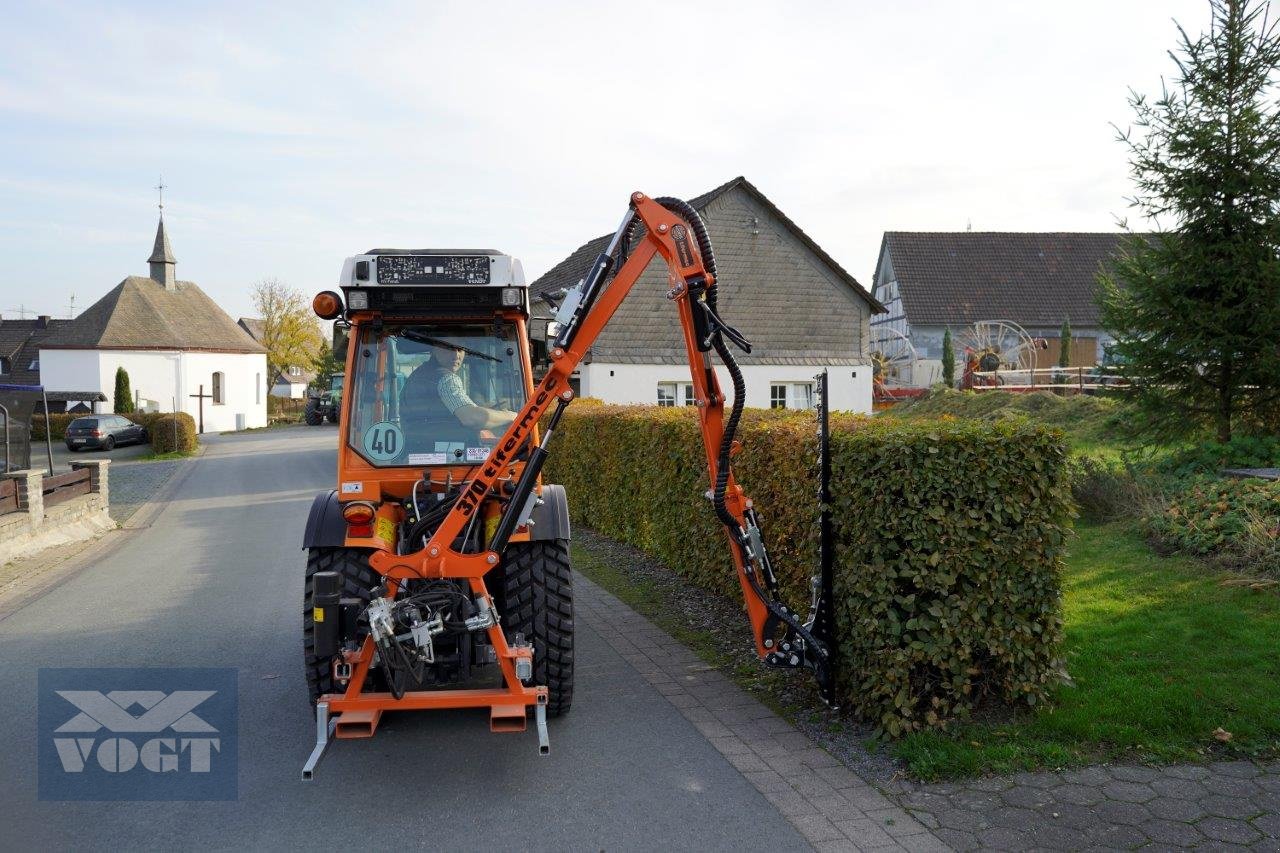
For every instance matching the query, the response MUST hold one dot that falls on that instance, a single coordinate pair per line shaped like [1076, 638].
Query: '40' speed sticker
[383, 441]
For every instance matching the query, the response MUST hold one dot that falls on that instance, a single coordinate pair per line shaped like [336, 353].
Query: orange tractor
[438, 571]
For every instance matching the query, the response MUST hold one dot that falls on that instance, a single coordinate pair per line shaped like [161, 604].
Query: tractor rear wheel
[536, 600]
[358, 580]
[312, 413]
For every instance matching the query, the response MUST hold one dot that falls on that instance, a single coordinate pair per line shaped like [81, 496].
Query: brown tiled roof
[138, 313]
[20, 342]
[1034, 279]
[791, 314]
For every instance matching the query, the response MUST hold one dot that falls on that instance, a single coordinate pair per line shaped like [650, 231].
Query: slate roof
[763, 294]
[20, 342]
[160, 252]
[139, 313]
[1033, 279]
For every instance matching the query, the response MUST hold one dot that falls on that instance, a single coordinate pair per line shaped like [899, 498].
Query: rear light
[96, 433]
[327, 305]
[358, 513]
[360, 531]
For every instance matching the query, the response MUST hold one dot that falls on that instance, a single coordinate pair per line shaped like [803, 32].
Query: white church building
[178, 347]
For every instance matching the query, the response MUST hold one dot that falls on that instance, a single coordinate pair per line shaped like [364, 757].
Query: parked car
[103, 432]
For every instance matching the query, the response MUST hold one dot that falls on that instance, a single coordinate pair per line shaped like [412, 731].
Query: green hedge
[173, 433]
[949, 539]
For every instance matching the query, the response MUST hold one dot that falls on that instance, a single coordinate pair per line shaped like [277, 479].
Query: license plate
[77, 441]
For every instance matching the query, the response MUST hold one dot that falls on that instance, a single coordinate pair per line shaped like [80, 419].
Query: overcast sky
[293, 135]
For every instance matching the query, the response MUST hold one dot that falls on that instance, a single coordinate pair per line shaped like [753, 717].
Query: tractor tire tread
[537, 601]
[357, 581]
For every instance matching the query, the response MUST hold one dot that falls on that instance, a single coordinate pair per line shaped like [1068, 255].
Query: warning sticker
[385, 530]
[477, 454]
[428, 458]
[352, 488]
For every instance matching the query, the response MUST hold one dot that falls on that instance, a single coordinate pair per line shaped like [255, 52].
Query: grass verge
[1162, 656]
[1161, 653]
[164, 457]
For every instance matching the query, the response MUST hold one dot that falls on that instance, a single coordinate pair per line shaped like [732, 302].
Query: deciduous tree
[290, 331]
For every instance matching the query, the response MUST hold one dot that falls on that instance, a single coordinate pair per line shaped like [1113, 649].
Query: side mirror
[542, 329]
[341, 338]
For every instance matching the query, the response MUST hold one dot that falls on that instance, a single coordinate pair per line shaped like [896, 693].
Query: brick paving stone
[1224, 829]
[816, 827]
[966, 820]
[1189, 771]
[1086, 776]
[1028, 798]
[1229, 807]
[1112, 812]
[992, 784]
[957, 840]
[1172, 833]
[1002, 838]
[1128, 792]
[1180, 810]
[1053, 836]
[1118, 836]
[1268, 825]
[1238, 769]
[1075, 794]
[1178, 788]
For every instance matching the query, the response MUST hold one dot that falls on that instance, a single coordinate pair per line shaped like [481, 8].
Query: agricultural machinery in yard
[438, 571]
[323, 405]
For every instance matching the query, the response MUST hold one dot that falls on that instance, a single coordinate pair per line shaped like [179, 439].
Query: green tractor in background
[324, 405]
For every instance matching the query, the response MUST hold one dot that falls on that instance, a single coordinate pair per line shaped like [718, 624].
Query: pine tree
[948, 360]
[1064, 339]
[123, 402]
[1195, 308]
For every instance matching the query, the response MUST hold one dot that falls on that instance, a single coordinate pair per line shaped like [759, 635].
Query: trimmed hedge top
[949, 539]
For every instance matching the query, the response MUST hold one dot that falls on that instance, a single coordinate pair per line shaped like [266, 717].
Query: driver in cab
[437, 385]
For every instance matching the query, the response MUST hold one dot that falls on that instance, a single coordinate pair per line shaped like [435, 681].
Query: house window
[4, 365]
[219, 389]
[257, 388]
[295, 371]
[673, 393]
[35, 364]
[791, 395]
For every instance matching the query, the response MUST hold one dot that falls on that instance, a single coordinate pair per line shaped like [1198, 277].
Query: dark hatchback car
[102, 432]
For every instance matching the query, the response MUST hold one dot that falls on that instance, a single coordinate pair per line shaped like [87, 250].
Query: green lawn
[1161, 654]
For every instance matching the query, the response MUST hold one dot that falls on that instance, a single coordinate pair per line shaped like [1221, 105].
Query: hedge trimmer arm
[673, 229]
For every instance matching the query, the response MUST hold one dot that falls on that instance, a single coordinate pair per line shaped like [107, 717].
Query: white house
[178, 347]
[800, 309]
[291, 383]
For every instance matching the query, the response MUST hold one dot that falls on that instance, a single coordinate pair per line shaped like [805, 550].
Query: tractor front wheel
[312, 414]
[537, 601]
[358, 581]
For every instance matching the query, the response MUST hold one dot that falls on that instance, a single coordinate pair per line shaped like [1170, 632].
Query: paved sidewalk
[830, 805]
[1221, 806]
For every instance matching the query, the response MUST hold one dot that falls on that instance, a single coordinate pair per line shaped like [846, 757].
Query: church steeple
[162, 261]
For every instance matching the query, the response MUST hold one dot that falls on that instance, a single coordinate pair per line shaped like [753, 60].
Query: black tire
[313, 415]
[144, 437]
[537, 601]
[110, 444]
[332, 418]
[357, 582]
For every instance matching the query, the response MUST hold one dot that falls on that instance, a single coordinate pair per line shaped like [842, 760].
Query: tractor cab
[437, 363]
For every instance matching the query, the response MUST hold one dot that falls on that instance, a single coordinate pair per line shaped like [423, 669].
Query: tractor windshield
[433, 394]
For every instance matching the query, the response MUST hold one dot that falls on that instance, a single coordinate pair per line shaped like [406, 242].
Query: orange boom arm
[672, 229]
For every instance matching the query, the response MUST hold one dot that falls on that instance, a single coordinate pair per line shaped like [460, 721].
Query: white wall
[164, 376]
[638, 383]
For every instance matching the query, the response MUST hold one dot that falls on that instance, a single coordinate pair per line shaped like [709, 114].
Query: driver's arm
[462, 407]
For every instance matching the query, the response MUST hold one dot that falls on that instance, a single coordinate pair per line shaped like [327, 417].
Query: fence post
[97, 477]
[30, 494]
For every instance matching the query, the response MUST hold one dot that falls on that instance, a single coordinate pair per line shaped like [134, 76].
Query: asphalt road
[215, 581]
